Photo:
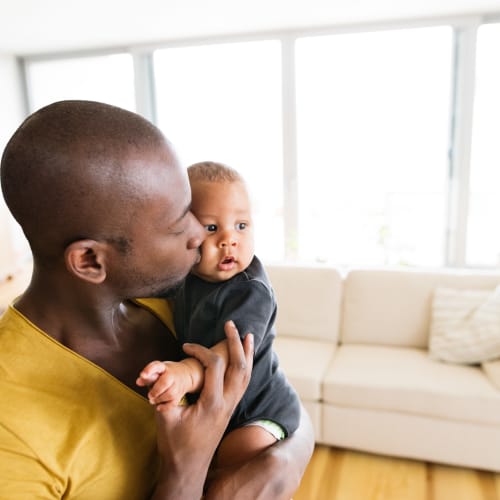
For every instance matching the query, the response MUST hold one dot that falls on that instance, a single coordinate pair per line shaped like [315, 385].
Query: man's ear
[86, 259]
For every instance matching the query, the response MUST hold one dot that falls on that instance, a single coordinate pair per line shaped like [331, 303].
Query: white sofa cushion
[406, 380]
[492, 370]
[314, 410]
[309, 299]
[413, 436]
[305, 363]
[465, 325]
[393, 307]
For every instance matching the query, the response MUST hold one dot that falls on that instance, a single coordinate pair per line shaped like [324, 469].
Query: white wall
[33, 26]
[12, 246]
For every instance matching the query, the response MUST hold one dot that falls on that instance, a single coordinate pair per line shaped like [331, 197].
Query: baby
[229, 283]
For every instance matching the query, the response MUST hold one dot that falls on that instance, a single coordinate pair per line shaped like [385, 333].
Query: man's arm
[189, 435]
[275, 474]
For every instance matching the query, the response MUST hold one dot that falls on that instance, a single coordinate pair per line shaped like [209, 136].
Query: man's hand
[189, 435]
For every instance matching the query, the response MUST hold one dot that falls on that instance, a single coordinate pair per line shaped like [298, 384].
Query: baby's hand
[150, 373]
[171, 381]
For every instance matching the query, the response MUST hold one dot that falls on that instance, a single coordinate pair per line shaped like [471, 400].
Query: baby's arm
[171, 380]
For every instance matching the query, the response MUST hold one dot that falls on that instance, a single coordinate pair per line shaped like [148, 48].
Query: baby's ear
[86, 260]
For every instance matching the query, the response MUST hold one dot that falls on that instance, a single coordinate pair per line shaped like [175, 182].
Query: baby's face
[223, 208]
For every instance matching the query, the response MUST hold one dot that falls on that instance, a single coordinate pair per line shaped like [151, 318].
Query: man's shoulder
[159, 307]
[15, 328]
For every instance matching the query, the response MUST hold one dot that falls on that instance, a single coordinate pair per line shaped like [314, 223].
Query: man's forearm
[174, 485]
[273, 475]
[189, 435]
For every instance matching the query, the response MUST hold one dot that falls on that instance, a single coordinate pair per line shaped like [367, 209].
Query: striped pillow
[465, 325]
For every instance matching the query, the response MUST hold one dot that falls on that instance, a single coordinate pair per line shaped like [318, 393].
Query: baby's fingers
[162, 385]
[150, 373]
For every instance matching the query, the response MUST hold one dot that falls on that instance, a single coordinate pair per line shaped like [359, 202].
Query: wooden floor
[335, 474]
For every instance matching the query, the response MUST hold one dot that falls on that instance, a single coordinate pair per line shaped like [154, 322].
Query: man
[105, 206]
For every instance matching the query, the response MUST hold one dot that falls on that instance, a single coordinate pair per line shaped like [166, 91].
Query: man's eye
[211, 228]
[177, 232]
[241, 225]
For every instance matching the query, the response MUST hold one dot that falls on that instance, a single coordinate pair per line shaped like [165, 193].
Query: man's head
[221, 203]
[98, 189]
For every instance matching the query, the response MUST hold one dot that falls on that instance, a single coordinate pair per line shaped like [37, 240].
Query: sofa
[355, 345]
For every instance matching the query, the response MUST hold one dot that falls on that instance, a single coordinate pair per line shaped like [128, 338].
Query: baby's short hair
[211, 171]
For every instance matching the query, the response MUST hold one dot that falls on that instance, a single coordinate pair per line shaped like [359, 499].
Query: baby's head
[221, 203]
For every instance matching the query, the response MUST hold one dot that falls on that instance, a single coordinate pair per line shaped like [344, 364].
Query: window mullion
[461, 138]
[290, 187]
[144, 84]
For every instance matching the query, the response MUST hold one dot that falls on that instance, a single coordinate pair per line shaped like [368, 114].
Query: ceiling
[34, 26]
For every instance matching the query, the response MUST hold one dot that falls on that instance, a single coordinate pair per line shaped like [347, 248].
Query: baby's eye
[241, 225]
[211, 228]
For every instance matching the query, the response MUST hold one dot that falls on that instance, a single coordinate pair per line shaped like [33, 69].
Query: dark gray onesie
[201, 310]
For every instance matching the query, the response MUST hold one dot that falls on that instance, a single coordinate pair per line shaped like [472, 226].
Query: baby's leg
[246, 442]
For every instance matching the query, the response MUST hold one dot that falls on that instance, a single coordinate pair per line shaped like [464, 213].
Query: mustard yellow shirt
[67, 427]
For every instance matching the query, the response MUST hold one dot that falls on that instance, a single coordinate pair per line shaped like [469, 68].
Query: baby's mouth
[227, 263]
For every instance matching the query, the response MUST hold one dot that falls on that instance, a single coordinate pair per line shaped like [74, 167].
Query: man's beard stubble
[170, 292]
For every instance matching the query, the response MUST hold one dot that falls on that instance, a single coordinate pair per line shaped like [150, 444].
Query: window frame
[460, 135]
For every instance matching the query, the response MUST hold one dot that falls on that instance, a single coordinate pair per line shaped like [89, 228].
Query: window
[373, 126]
[355, 144]
[223, 103]
[483, 236]
[107, 79]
